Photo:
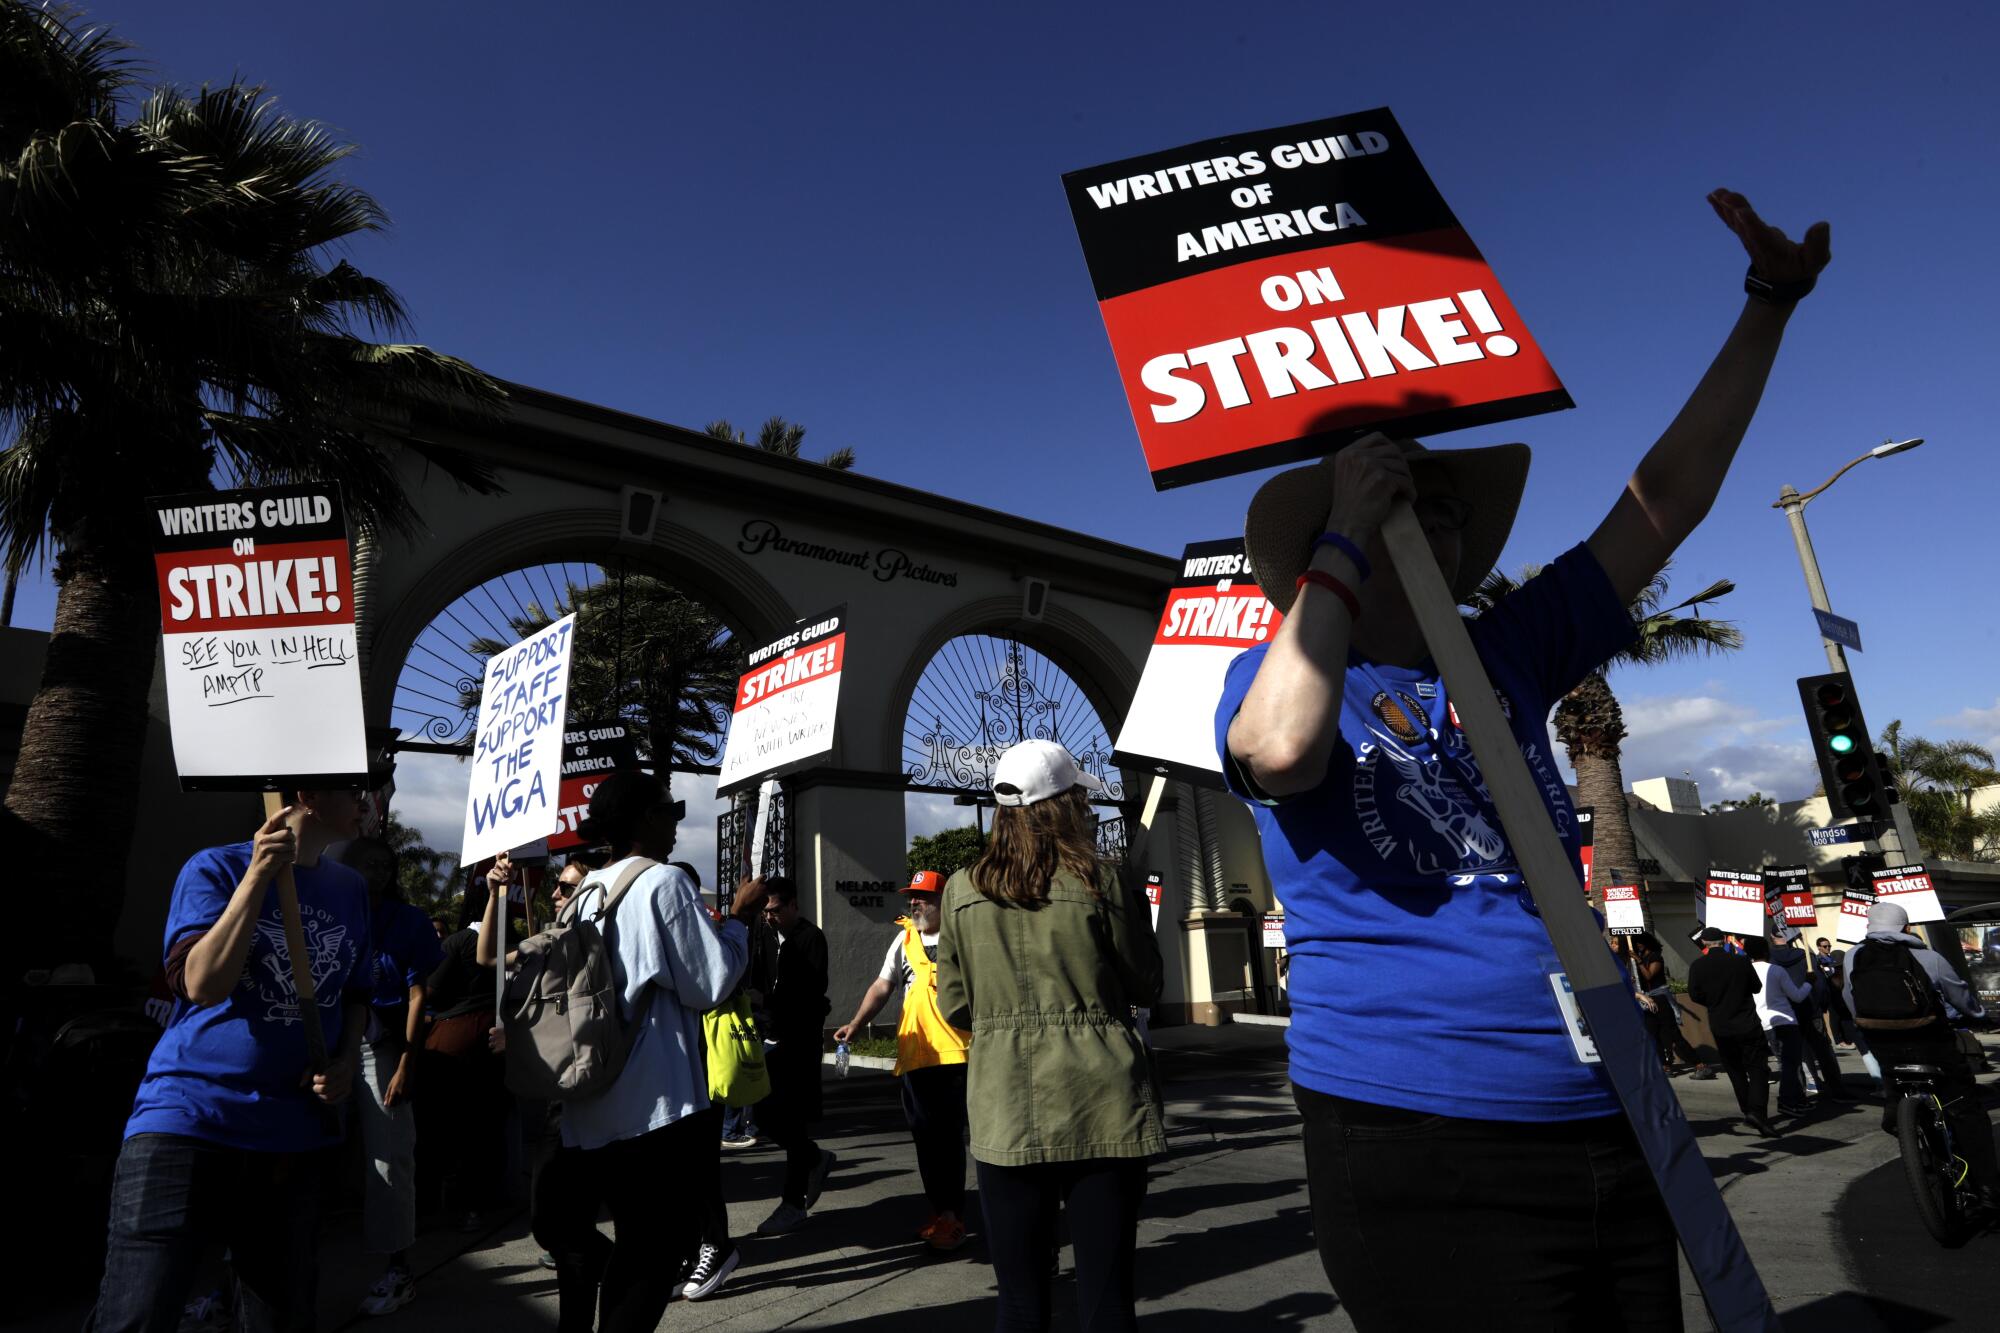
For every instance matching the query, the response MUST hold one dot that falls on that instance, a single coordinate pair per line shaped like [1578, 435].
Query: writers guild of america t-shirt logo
[1429, 806]
[1399, 715]
[269, 977]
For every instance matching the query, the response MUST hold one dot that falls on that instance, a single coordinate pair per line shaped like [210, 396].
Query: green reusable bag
[736, 1072]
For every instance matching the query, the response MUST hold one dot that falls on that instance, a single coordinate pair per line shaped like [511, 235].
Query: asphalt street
[1225, 1234]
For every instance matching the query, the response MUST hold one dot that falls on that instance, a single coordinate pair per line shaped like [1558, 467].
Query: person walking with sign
[789, 973]
[1725, 981]
[1495, 1142]
[930, 1059]
[222, 1143]
[1779, 999]
[1043, 954]
[645, 1137]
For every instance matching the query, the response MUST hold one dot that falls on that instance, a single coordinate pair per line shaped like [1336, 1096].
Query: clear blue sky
[852, 216]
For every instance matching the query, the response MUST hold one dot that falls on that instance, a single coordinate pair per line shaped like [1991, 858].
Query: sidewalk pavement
[1225, 1232]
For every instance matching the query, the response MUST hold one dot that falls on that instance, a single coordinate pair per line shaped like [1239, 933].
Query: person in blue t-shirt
[403, 950]
[220, 1144]
[1450, 1117]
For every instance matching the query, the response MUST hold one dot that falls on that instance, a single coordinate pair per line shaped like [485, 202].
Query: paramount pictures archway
[762, 540]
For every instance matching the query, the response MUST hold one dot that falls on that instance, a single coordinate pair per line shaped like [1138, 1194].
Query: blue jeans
[171, 1196]
[737, 1123]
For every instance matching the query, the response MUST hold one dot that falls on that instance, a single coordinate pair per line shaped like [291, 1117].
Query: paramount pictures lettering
[886, 565]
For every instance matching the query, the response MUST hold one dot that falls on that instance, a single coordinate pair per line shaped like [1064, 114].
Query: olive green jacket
[1057, 1071]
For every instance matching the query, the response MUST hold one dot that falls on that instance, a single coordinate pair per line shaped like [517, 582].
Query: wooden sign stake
[295, 945]
[1715, 1252]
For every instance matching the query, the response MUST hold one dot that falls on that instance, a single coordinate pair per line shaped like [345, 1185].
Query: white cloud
[926, 814]
[1724, 745]
[1976, 724]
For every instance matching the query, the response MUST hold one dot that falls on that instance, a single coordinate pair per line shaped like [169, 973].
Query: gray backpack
[566, 1035]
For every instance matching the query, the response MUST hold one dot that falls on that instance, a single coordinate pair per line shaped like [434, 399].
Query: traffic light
[1856, 786]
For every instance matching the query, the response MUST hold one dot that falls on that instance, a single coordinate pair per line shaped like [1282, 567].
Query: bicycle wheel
[1930, 1183]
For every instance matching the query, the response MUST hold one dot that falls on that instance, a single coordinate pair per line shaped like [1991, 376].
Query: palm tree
[1936, 780]
[648, 655]
[781, 437]
[171, 320]
[1589, 722]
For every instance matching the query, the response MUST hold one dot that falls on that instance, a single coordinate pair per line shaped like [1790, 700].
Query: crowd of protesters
[1038, 946]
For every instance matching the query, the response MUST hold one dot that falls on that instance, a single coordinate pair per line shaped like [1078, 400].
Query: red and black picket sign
[590, 755]
[1272, 295]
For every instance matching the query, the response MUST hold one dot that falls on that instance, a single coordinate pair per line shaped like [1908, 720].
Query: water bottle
[840, 1060]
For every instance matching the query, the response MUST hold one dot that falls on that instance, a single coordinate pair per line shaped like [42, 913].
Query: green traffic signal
[1840, 744]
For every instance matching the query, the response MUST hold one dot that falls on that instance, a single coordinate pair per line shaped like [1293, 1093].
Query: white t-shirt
[896, 964]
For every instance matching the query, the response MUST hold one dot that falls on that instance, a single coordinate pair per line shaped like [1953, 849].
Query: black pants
[1660, 1021]
[1429, 1222]
[563, 1218]
[934, 1104]
[786, 1116]
[644, 1182]
[1790, 1047]
[713, 1207]
[1971, 1131]
[1101, 1197]
[172, 1196]
[1820, 1055]
[1746, 1059]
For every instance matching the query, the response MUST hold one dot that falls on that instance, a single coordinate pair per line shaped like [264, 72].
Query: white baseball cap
[1036, 770]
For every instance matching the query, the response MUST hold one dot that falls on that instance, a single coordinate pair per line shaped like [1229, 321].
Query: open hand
[1777, 257]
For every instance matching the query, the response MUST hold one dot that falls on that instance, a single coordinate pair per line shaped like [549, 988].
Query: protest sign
[1910, 888]
[257, 621]
[1624, 909]
[1214, 611]
[1788, 896]
[1735, 902]
[1586, 836]
[1153, 893]
[590, 754]
[1274, 930]
[517, 747]
[786, 703]
[1270, 295]
[1854, 905]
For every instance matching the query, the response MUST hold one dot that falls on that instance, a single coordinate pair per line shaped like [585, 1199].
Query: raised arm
[1284, 733]
[1680, 475]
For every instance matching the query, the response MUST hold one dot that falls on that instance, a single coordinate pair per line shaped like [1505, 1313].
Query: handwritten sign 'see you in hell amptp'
[257, 622]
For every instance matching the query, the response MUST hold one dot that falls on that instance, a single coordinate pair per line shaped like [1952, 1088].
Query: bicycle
[1937, 1175]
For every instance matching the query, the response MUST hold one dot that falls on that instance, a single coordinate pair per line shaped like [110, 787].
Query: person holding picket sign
[1496, 1143]
[644, 1139]
[224, 1140]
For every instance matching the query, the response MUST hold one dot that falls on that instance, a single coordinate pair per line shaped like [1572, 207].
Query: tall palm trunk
[76, 784]
[1591, 726]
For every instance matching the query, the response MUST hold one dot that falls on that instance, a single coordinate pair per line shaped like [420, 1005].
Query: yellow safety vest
[923, 1038]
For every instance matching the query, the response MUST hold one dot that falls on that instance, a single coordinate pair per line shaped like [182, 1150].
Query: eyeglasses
[1442, 513]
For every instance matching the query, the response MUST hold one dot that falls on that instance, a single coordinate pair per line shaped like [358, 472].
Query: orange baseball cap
[926, 881]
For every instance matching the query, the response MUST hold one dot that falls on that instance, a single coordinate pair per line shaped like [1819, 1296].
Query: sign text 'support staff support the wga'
[1265, 289]
[257, 623]
[787, 703]
[517, 748]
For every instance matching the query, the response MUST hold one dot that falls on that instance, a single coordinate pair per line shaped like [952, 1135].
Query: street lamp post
[1794, 505]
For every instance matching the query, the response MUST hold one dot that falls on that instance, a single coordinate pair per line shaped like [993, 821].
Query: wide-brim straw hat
[1289, 512]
